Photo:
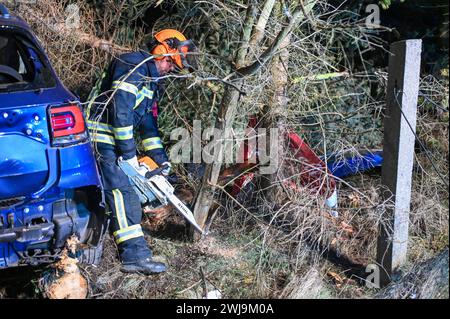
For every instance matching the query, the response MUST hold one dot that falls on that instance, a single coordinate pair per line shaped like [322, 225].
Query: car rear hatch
[26, 152]
[28, 87]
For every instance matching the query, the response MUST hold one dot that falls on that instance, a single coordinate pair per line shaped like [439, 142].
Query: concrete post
[398, 153]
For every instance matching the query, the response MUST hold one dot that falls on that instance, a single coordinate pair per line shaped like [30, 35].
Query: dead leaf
[336, 277]
[347, 228]
[159, 3]
[355, 200]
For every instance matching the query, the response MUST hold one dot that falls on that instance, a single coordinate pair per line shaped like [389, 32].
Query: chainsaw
[154, 189]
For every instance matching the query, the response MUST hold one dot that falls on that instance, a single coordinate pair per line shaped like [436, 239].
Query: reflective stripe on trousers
[120, 197]
[126, 214]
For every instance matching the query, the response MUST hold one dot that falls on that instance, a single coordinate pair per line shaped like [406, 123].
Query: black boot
[145, 266]
[136, 257]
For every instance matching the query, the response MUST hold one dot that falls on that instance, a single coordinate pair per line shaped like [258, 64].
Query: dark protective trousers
[125, 207]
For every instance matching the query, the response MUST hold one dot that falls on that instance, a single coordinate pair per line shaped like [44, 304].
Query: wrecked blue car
[48, 173]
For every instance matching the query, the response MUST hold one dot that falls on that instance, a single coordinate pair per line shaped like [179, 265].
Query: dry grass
[279, 245]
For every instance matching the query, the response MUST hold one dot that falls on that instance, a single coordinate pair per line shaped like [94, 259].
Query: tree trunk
[228, 107]
[276, 115]
[428, 280]
[225, 119]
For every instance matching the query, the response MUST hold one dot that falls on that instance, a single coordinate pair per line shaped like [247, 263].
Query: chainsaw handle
[156, 171]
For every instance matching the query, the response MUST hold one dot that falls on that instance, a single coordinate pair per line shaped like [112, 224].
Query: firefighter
[123, 106]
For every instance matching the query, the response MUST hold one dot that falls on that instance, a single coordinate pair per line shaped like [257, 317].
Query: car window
[22, 66]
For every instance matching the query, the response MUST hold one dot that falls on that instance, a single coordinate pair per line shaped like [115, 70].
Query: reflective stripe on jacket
[129, 91]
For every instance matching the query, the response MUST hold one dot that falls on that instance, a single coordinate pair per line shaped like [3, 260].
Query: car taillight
[67, 125]
[62, 122]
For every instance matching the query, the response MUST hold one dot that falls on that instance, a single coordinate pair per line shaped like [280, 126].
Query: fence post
[398, 154]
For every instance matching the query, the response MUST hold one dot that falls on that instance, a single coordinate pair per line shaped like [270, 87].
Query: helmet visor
[188, 55]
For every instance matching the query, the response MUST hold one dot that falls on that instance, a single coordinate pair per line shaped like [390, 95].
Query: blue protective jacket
[121, 110]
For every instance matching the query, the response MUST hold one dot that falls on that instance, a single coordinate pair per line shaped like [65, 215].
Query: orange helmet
[170, 41]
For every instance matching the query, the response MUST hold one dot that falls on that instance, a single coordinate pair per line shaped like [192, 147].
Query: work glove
[166, 171]
[141, 168]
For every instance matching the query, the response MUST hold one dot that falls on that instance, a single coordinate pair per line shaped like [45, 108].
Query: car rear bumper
[41, 233]
[27, 233]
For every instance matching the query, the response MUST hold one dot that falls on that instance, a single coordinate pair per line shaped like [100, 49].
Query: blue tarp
[351, 165]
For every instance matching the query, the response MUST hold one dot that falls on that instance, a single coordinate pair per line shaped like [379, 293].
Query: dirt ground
[193, 268]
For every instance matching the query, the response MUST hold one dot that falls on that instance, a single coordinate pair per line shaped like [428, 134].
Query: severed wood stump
[64, 280]
[156, 217]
